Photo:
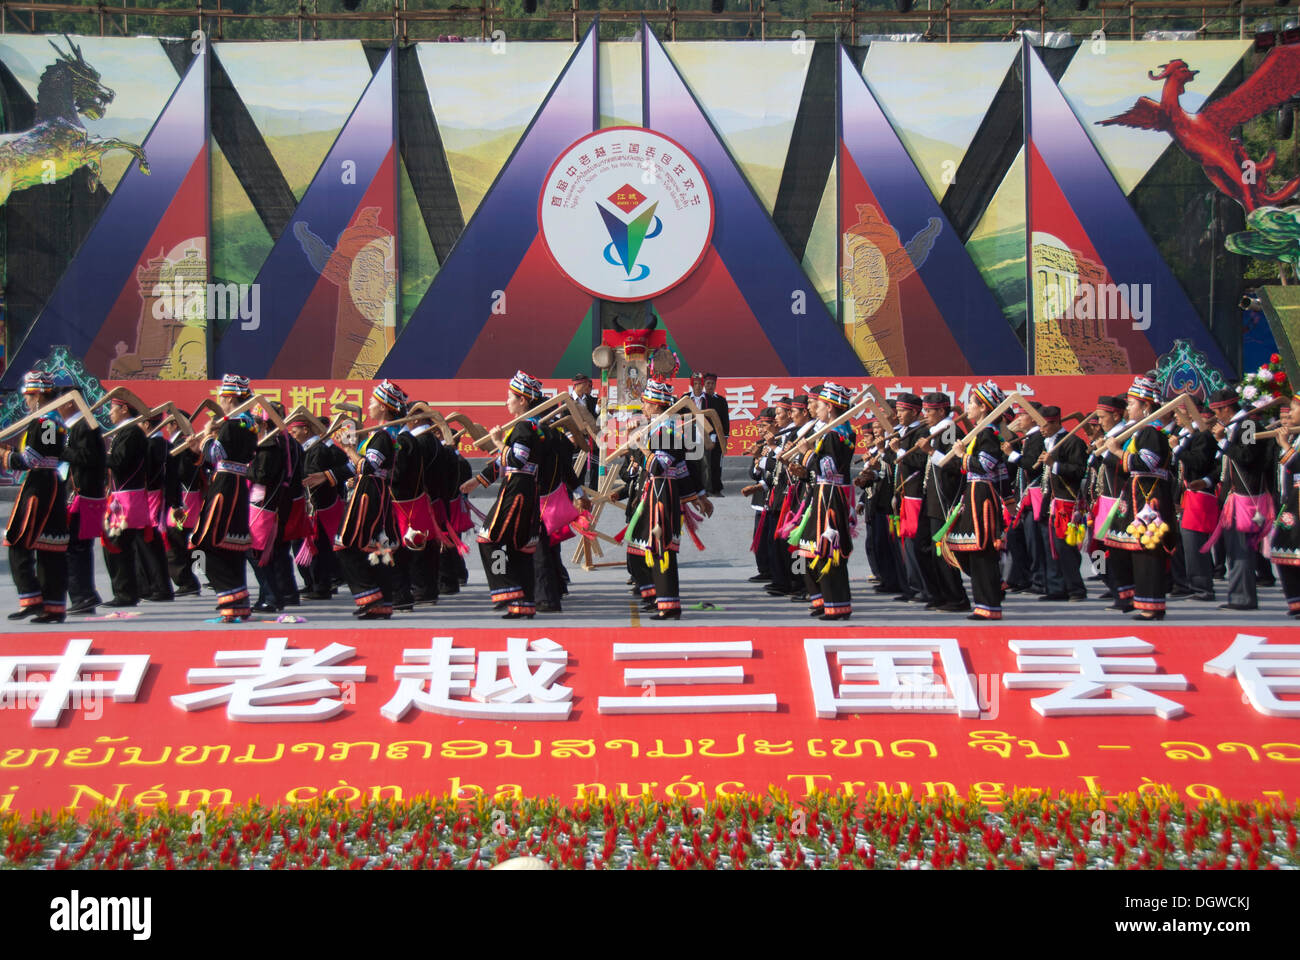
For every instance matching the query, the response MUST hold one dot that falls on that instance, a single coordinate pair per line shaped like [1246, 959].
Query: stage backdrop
[336, 210]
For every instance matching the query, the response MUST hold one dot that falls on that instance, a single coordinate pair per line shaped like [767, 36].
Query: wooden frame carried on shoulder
[993, 416]
[19, 427]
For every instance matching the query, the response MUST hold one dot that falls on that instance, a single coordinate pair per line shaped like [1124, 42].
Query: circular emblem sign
[625, 213]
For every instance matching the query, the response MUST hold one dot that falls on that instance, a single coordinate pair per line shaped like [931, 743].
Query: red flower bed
[824, 832]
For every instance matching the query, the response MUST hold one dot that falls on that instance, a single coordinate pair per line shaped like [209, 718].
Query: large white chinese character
[901, 671]
[1084, 676]
[648, 679]
[255, 682]
[528, 692]
[741, 402]
[773, 393]
[1264, 670]
[66, 679]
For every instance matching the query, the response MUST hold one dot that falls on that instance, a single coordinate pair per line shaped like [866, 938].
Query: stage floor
[716, 578]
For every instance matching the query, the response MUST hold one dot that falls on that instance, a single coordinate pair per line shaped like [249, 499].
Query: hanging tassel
[797, 533]
[699, 544]
[945, 551]
[618, 537]
[938, 538]
[640, 509]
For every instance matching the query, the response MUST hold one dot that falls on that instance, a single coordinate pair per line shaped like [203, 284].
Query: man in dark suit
[580, 390]
[719, 404]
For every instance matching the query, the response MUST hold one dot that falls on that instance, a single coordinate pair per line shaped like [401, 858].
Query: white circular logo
[625, 213]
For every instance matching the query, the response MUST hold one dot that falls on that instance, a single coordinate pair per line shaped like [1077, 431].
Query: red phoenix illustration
[1206, 136]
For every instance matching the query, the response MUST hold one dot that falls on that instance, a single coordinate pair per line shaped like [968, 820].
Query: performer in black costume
[1144, 523]
[37, 535]
[368, 536]
[227, 447]
[977, 534]
[824, 533]
[655, 528]
[509, 536]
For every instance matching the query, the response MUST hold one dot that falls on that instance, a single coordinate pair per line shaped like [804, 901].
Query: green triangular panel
[419, 261]
[577, 355]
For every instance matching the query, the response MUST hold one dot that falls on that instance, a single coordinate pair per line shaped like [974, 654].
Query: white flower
[1250, 392]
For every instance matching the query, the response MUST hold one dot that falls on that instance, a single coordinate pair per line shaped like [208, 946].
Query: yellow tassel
[649, 561]
[663, 563]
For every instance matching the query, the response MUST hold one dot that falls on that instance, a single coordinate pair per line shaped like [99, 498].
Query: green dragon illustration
[58, 145]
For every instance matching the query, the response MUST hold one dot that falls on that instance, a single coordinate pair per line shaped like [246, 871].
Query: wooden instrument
[992, 417]
[19, 427]
[1052, 454]
[257, 400]
[708, 420]
[869, 400]
[1182, 400]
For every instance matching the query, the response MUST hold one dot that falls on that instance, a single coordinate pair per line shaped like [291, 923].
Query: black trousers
[916, 583]
[122, 566]
[151, 565]
[548, 586]
[948, 588]
[81, 573]
[761, 556]
[180, 560]
[371, 584]
[645, 582]
[1119, 575]
[227, 572]
[510, 576]
[1039, 557]
[319, 576]
[41, 577]
[778, 555]
[1290, 587]
[926, 560]
[883, 553]
[425, 566]
[714, 460]
[1199, 566]
[452, 571]
[985, 574]
[1064, 568]
[1020, 573]
[275, 581]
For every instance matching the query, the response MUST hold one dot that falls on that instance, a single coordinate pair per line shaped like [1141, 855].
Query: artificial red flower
[1280, 377]
[1275, 359]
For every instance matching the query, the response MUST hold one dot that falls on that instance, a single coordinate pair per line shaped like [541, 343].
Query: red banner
[223, 716]
[484, 400]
